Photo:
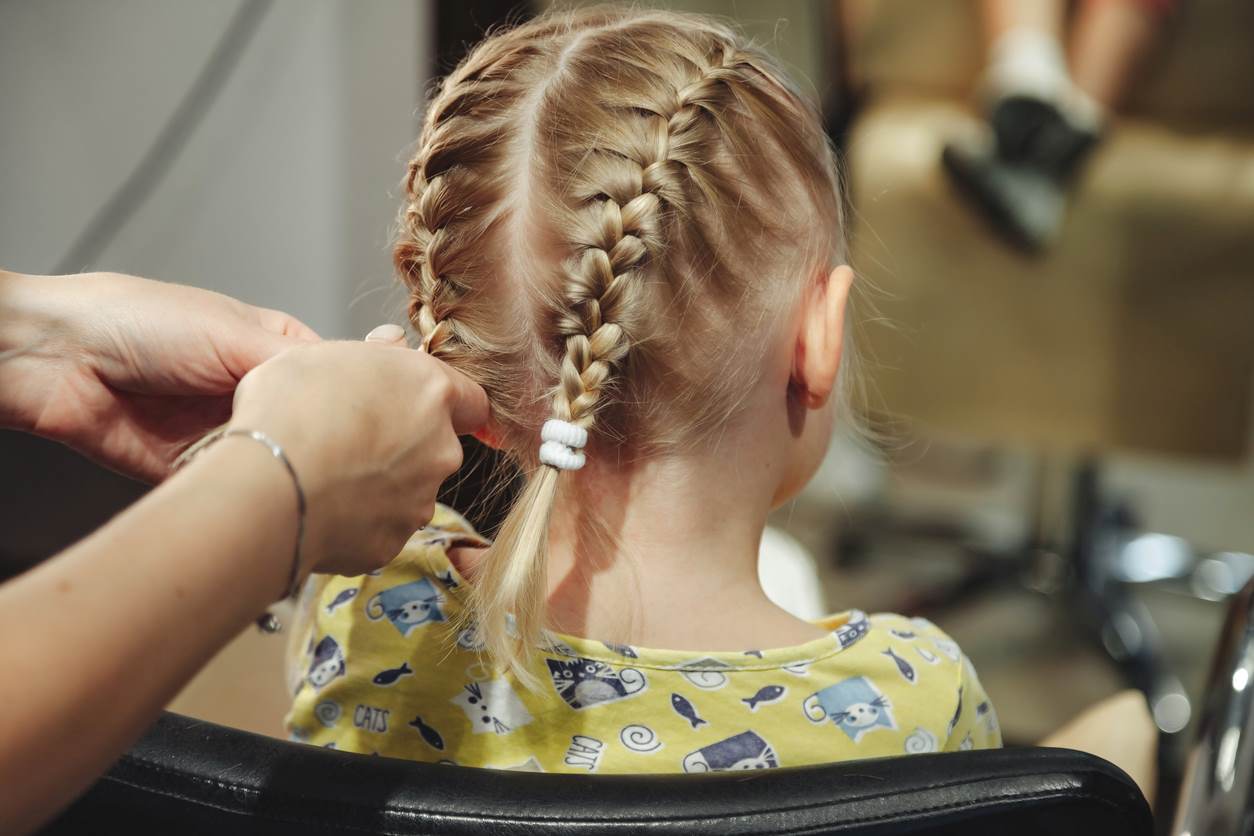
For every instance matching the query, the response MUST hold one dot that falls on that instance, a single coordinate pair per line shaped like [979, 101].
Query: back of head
[608, 213]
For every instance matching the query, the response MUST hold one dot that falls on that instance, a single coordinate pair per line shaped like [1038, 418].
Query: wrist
[244, 466]
[30, 348]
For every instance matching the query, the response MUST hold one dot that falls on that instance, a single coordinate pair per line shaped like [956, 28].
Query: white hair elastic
[562, 442]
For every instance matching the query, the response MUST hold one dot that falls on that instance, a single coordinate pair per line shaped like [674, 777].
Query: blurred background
[1053, 215]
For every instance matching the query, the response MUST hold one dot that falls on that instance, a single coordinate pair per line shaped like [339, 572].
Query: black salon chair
[187, 777]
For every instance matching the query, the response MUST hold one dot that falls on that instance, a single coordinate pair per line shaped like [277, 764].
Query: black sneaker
[1020, 180]
[1022, 203]
[1036, 133]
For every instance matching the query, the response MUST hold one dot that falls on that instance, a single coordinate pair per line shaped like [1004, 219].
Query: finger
[253, 346]
[468, 406]
[388, 334]
[285, 325]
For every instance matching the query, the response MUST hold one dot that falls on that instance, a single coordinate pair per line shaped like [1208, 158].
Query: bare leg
[1109, 40]
[1041, 127]
[1025, 50]
[1000, 16]
[1120, 730]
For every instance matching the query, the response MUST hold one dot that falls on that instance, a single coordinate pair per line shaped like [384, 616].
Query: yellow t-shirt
[386, 672]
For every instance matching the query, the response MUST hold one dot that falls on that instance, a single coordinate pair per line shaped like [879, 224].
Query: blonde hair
[606, 211]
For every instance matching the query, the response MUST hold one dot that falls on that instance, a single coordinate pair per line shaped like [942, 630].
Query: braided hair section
[655, 162]
[454, 188]
[630, 193]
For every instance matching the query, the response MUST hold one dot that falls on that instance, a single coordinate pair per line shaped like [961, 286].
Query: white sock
[1028, 62]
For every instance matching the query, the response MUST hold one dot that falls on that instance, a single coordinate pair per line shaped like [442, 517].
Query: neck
[665, 553]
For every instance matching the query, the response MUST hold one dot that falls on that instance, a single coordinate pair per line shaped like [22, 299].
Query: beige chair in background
[1136, 330]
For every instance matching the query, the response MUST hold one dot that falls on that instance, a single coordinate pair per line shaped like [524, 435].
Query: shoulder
[359, 627]
[419, 587]
[931, 641]
[923, 666]
[426, 551]
[973, 723]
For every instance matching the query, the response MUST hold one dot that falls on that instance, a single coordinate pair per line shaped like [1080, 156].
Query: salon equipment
[1217, 793]
[190, 777]
[1096, 345]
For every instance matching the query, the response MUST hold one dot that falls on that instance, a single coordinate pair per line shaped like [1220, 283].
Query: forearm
[99, 638]
[1119, 729]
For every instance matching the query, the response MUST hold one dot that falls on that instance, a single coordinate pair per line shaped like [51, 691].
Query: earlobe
[820, 340]
[485, 435]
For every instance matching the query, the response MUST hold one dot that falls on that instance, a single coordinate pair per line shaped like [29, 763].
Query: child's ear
[821, 337]
[488, 435]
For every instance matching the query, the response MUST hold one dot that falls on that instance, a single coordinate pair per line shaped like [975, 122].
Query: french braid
[660, 154]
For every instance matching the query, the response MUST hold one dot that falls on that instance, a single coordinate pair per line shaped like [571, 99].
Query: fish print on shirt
[686, 710]
[903, 667]
[389, 676]
[766, 695]
[953, 722]
[343, 598]
[430, 735]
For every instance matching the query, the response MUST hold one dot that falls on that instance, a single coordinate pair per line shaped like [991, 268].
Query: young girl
[626, 226]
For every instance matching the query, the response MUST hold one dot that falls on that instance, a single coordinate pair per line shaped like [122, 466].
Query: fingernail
[389, 333]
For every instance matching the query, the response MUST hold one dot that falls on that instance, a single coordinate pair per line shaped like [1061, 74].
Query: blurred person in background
[1048, 92]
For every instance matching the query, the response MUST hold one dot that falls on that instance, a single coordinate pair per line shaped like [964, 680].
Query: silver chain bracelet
[267, 622]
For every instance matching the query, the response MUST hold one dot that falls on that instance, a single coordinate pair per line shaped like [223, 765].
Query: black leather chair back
[187, 777]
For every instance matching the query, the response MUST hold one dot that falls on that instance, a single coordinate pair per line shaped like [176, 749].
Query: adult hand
[371, 430]
[128, 371]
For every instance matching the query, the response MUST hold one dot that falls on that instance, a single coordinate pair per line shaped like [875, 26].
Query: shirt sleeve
[974, 724]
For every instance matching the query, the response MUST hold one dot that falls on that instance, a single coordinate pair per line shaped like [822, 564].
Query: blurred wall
[283, 197]
[794, 31]
[285, 194]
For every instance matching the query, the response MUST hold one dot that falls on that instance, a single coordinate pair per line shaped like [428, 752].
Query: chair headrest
[187, 777]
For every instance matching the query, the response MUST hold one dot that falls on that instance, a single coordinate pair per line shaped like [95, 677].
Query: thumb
[468, 406]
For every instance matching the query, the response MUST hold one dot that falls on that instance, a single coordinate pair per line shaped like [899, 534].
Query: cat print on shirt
[746, 750]
[852, 631]
[327, 663]
[854, 705]
[585, 682]
[492, 706]
[407, 606]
